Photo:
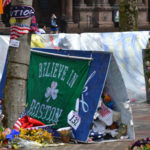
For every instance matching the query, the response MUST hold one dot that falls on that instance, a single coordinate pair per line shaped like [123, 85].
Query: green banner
[54, 84]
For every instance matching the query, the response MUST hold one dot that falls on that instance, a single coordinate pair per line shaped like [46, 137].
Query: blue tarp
[2, 82]
[103, 70]
[4, 42]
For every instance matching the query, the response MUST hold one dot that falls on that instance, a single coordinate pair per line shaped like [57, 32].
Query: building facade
[86, 15]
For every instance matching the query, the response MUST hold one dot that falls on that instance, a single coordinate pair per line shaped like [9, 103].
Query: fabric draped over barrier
[126, 47]
[54, 84]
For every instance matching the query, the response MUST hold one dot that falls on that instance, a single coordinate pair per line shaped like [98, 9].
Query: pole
[17, 72]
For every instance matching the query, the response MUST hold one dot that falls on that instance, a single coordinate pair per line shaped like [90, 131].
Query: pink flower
[148, 68]
[142, 146]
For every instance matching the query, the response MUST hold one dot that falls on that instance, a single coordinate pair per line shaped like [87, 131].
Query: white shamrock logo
[51, 92]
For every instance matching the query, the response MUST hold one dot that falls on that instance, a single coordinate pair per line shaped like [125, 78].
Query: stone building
[86, 15]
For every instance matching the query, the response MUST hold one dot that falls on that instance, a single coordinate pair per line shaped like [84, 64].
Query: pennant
[18, 31]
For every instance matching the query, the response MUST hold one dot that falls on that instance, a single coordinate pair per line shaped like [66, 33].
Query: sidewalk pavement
[141, 119]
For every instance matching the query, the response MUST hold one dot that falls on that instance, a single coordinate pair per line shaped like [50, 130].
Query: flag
[3, 4]
[33, 26]
[28, 123]
[17, 124]
[17, 31]
[1, 7]
[52, 94]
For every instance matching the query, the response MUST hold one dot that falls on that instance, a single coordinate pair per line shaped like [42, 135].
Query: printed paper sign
[106, 115]
[14, 43]
[74, 119]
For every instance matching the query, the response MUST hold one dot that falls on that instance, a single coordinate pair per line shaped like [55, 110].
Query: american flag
[18, 123]
[5, 3]
[17, 31]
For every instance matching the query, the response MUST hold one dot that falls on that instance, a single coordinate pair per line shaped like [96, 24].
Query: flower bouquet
[38, 135]
[142, 144]
[8, 138]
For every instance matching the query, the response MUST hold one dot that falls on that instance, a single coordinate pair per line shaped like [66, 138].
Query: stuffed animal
[108, 101]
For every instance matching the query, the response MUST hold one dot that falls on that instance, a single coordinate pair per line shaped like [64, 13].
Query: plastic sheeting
[126, 47]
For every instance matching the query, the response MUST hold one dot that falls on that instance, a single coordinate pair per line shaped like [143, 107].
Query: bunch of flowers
[7, 138]
[38, 135]
[142, 144]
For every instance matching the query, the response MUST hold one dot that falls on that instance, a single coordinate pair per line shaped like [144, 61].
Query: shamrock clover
[51, 92]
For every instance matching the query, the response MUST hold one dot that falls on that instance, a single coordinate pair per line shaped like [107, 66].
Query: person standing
[53, 24]
[42, 29]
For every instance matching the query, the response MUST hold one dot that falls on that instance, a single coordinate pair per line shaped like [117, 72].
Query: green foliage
[128, 15]
[147, 54]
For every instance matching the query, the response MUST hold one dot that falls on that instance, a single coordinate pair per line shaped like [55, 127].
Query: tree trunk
[17, 72]
[128, 15]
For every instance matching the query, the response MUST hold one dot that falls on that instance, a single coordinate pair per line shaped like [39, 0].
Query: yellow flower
[15, 146]
[148, 145]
